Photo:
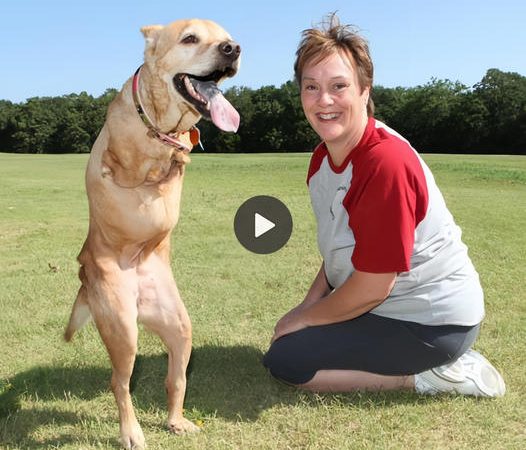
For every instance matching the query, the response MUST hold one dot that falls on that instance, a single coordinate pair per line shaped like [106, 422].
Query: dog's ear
[151, 36]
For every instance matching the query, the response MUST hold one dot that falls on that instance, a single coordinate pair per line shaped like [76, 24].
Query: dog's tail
[80, 314]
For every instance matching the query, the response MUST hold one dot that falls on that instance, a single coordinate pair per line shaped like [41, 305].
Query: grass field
[234, 298]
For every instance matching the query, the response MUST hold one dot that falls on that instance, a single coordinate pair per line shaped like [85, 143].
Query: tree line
[439, 117]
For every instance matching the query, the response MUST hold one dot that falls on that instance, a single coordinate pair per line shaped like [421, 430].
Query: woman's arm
[319, 289]
[360, 293]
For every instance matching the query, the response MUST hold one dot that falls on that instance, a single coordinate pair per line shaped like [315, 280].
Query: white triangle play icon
[262, 225]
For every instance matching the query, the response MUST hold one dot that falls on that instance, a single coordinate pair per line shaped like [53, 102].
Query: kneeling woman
[397, 303]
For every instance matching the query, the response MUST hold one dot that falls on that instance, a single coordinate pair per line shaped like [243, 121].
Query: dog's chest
[158, 213]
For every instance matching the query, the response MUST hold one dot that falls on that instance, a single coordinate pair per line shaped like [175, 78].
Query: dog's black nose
[230, 49]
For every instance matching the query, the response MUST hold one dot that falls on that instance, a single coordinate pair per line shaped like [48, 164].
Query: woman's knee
[287, 364]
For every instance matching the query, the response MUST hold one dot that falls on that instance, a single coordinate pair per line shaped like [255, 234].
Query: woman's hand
[293, 321]
[289, 323]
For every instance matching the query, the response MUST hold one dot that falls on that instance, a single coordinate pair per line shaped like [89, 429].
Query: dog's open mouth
[203, 93]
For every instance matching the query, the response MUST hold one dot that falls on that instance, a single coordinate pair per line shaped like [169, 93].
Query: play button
[263, 224]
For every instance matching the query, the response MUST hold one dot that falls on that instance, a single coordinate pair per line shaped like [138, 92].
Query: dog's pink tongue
[223, 114]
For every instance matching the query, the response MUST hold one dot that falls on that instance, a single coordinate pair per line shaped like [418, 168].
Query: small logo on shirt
[340, 188]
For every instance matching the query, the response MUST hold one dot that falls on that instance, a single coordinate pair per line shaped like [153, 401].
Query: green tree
[387, 102]
[297, 133]
[8, 126]
[36, 121]
[423, 115]
[504, 96]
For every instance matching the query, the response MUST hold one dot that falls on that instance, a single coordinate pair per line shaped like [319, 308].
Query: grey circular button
[263, 224]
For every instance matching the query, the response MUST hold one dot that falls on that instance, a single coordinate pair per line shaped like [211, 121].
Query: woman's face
[333, 101]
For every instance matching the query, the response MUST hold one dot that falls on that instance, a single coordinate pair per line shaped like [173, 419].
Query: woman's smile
[328, 116]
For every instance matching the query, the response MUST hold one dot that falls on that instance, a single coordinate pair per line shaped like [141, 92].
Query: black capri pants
[369, 343]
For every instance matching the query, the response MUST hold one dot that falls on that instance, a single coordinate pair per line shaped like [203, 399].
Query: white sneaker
[471, 374]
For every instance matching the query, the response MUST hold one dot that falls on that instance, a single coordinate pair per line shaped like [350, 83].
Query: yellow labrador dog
[134, 180]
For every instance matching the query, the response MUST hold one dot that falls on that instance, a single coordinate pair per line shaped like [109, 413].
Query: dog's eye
[190, 39]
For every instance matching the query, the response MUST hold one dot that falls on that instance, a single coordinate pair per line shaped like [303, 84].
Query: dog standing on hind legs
[134, 180]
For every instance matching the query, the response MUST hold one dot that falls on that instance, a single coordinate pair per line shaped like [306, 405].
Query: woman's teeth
[328, 116]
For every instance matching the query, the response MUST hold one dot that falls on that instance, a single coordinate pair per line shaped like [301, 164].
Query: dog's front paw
[182, 426]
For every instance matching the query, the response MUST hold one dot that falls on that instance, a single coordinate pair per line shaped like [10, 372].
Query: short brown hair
[318, 43]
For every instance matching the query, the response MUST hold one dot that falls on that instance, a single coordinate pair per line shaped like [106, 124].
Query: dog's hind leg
[177, 338]
[116, 318]
[162, 311]
[80, 314]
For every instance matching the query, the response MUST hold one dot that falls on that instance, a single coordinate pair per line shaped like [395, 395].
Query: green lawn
[234, 298]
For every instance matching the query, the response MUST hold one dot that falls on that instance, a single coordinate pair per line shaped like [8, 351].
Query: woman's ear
[365, 94]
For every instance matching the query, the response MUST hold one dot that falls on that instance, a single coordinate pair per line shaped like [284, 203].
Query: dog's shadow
[45, 385]
[228, 382]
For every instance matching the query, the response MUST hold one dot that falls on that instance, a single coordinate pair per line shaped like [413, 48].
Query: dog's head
[187, 60]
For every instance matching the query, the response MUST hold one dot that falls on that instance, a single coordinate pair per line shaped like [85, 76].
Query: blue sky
[58, 47]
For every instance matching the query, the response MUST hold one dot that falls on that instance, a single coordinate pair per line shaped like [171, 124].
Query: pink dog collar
[170, 139]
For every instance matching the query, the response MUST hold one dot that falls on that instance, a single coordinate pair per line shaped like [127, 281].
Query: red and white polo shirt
[381, 211]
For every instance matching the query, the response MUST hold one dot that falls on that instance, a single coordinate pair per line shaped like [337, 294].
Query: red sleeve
[316, 159]
[386, 201]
